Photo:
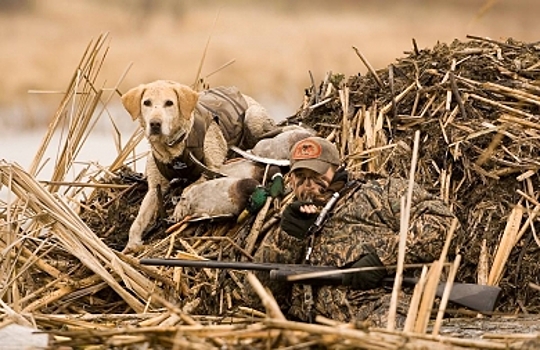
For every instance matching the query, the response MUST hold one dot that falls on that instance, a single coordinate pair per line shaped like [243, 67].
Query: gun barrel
[206, 264]
[232, 265]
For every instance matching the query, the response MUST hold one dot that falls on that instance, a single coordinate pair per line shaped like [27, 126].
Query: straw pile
[476, 107]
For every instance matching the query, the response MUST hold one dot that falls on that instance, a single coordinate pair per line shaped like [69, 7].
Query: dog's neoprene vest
[227, 107]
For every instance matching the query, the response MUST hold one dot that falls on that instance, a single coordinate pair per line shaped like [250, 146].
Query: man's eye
[300, 180]
[147, 103]
[168, 103]
[321, 182]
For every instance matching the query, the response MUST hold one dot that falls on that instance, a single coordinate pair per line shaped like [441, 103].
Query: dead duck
[275, 150]
[244, 168]
[278, 147]
[274, 188]
[216, 197]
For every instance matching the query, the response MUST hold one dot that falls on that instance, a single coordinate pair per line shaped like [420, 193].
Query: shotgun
[473, 296]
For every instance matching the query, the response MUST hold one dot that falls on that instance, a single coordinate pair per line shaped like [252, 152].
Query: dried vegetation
[475, 105]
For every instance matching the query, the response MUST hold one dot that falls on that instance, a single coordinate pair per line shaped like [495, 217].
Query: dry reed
[62, 277]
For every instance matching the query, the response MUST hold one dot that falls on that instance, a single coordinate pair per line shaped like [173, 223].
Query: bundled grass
[462, 120]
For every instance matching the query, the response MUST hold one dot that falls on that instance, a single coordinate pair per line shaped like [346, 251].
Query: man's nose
[310, 182]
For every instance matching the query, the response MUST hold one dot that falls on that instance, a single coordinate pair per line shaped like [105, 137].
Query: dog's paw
[181, 209]
[177, 216]
[133, 247]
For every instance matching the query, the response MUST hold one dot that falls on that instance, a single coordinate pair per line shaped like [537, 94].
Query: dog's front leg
[146, 214]
[149, 206]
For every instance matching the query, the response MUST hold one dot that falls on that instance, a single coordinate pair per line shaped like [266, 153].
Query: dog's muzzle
[155, 127]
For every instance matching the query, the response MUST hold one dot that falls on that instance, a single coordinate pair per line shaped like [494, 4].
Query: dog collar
[179, 137]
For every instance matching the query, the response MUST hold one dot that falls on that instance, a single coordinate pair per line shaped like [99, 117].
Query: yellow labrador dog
[179, 124]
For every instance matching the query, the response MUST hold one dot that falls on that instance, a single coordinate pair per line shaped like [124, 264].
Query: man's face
[308, 185]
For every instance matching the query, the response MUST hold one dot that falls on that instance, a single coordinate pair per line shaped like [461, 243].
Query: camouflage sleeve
[429, 222]
[279, 247]
[370, 217]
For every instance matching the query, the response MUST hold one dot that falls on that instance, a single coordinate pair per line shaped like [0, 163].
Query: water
[21, 148]
[98, 150]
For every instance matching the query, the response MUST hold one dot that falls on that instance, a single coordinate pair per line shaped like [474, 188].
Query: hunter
[361, 230]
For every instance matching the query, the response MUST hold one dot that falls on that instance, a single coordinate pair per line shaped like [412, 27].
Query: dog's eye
[147, 103]
[168, 103]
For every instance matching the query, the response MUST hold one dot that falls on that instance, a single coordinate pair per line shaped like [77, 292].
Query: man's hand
[298, 217]
[365, 280]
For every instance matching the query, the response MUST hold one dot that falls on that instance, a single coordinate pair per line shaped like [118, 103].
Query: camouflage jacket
[368, 214]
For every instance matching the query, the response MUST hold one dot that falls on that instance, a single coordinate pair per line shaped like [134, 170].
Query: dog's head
[164, 109]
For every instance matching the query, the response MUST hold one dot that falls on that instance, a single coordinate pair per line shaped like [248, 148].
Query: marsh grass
[44, 239]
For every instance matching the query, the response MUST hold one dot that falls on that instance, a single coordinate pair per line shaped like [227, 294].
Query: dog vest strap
[195, 139]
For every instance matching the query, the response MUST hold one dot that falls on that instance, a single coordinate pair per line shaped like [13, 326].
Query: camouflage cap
[315, 153]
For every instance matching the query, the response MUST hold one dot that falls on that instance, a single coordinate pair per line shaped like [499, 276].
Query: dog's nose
[155, 127]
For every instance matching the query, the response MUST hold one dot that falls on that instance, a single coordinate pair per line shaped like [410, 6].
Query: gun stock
[473, 296]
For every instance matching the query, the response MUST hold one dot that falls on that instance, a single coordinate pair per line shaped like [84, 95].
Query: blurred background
[274, 44]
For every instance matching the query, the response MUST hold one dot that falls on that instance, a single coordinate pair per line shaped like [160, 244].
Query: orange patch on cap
[307, 149]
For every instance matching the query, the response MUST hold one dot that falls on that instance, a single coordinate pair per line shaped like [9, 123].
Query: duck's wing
[251, 156]
[211, 217]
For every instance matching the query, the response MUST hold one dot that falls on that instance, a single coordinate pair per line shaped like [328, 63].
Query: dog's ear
[132, 101]
[187, 99]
